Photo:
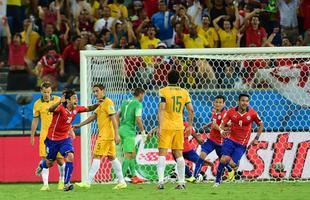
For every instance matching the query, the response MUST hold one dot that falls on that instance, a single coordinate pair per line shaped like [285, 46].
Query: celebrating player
[40, 111]
[58, 139]
[173, 99]
[129, 115]
[107, 139]
[215, 140]
[234, 146]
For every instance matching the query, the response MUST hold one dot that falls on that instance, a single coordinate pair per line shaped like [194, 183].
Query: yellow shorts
[105, 148]
[171, 139]
[42, 149]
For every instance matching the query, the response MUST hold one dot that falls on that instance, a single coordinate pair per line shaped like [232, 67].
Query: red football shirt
[188, 145]
[215, 135]
[62, 122]
[254, 37]
[72, 54]
[241, 124]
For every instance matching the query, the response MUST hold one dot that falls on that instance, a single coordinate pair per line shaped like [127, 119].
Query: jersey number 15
[176, 107]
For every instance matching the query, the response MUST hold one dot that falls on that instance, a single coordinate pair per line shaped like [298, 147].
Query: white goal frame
[85, 143]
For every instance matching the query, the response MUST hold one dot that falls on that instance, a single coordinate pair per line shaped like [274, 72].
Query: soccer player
[173, 99]
[40, 111]
[234, 146]
[129, 115]
[58, 139]
[107, 139]
[215, 140]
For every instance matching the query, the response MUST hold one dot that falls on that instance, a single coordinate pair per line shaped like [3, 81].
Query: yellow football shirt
[40, 109]
[210, 35]
[176, 98]
[105, 126]
[32, 46]
[228, 39]
[115, 8]
[198, 42]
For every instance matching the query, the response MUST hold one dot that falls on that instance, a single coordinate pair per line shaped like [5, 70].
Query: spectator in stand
[49, 38]
[162, 21]
[148, 41]
[118, 9]
[193, 39]
[150, 6]
[306, 41]
[288, 18]
[181, 16]
[123, 35]
[32, 54]
[208, 32]
[138, 19]
[85, 22]
[194, 10]
[105, 22]
[177, 40]
[255, 35]
[77, 6]
[50, 66]
[71, 58]
[227, 34]
[19, 74]
[14, 11]
[105, 40]
[218, 9]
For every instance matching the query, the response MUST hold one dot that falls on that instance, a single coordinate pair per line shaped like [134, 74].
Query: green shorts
[128, 139]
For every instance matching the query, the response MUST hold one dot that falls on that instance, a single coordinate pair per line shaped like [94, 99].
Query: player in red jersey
[59, 133]
[234, 146]
[215, 139]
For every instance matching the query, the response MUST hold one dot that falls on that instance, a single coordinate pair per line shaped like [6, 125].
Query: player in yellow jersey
[107, 139]
[40, 111]
[173, 100]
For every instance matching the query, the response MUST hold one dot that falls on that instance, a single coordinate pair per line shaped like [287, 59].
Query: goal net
[276, 78]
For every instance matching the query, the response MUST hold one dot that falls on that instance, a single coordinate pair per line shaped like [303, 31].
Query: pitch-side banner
[290, 149]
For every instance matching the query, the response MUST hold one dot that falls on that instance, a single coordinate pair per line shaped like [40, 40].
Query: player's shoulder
[107, 100]
[252, 111]
[37, 102]
[56, 98]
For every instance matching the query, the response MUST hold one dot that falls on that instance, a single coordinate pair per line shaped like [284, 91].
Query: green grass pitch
[227, 191]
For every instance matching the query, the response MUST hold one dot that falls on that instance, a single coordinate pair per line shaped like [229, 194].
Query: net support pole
[85, 147]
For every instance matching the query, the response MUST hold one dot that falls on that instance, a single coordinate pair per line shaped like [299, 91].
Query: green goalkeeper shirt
[130, 109]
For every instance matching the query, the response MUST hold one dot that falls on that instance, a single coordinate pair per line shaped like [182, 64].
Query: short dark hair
[243, 95]
[45, 84]
[220, 97]
[68, 93]
[173, 77]
[100, 86]
[138, 91]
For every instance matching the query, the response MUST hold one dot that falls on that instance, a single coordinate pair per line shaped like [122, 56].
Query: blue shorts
[233, 149]
[191, 156]
[53, 147]
[209, 146]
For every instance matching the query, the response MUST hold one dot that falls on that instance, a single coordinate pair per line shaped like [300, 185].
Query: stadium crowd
[41, 40]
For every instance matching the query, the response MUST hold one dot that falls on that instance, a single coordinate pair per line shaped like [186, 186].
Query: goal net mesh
[277, 82]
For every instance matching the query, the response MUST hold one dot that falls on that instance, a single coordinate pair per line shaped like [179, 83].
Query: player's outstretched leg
[116, 165]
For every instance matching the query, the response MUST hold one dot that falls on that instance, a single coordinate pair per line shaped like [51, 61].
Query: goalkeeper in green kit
[129, 115]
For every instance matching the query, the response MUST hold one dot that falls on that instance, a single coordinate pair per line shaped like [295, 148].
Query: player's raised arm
[54, 107]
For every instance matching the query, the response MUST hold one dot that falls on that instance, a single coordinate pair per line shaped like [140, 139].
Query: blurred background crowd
[41, 39]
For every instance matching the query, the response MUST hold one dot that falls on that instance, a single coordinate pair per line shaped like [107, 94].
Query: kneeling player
[234, 146]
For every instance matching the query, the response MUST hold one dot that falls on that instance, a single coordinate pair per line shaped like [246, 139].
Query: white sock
[161, 168]
[118, 170]
[44, 174]
[93, 170]
[181, 170]
[61, 169]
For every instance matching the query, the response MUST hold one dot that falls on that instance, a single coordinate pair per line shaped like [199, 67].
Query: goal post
[276, 78]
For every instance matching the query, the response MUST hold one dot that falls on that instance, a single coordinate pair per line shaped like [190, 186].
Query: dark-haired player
[234, 146]
[58, 139]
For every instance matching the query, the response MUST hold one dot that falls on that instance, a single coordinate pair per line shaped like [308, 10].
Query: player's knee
[177, 153]
[49, 163]
[70, 157]
[60, 161]
[163, 152]
[203, 155]
[224, 159]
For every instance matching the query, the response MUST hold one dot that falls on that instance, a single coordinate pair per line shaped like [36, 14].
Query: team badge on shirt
[248, 118]
[219, 117]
